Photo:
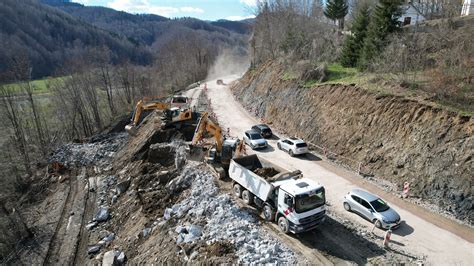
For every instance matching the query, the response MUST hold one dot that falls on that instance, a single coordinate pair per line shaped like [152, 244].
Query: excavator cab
[175, 115]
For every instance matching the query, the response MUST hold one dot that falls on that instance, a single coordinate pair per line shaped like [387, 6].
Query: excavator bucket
[196, 153]
[131, 130]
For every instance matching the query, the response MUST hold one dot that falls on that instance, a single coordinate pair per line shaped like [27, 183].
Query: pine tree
[337, 10]
[354, 43]
[383, 22]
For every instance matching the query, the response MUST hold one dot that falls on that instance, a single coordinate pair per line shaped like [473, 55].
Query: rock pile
[223, 221]
[82, 154]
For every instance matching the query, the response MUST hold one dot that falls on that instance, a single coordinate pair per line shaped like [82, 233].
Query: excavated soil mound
[220, 248]
[266, 172]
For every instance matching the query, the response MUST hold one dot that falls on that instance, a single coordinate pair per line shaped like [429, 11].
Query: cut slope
[394, 138]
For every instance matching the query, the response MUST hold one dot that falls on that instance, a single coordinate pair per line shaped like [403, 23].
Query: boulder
[93, 249]
[102, 215]
[109, 258]
[163, 154]
[123, 186]
[90, 226]
[120, 258]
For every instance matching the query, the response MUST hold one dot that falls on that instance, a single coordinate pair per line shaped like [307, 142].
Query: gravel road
[416, 236]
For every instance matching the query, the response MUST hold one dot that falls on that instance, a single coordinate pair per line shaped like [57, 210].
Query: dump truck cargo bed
[255, 174]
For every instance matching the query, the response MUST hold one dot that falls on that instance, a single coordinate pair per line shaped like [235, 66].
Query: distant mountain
[241, 27]
[50, 37]
[54, 32]
[144, 28]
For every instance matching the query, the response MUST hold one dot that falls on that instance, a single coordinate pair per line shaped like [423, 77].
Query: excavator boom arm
[137, 113]
[141, 105]
[206, 125]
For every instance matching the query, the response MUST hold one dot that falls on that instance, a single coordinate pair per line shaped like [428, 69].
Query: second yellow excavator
[224, 149]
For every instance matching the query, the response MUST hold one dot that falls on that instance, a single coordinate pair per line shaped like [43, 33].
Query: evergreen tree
[354, 43]
[336, 10]
[383, 22]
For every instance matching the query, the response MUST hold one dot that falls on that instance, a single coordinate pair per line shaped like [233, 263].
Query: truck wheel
[292, 154]
[283, 225]
[238, 190]
[279, 146]
[268, 213]
[247, 197]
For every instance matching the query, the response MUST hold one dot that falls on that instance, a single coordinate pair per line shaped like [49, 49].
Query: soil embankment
[394, 138]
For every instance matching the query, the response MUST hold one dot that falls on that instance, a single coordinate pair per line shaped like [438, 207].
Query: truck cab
[300, 204]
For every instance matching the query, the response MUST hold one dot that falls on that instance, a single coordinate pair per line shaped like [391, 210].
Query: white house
[410, 15]
[467, 8]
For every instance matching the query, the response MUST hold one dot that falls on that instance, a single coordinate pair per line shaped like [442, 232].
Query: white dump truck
[296, 203]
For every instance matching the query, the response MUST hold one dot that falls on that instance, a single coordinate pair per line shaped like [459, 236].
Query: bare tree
[20, 69]
[15, 117]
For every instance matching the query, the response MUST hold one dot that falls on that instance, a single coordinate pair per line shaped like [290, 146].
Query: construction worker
[386, 238]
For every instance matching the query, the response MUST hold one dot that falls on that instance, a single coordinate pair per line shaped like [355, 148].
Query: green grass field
[337, 75]
[39, 85]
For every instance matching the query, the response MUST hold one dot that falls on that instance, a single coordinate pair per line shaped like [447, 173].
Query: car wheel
[237, 190]
[268, 213]
[283, 225]
[347, 207]
[279, 146]
[291, 153]
[247, 197]
[378, 224]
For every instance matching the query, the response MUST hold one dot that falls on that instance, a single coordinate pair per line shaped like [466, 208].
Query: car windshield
[379, 205]
[255, 136]
[301, 145]
[308, 202]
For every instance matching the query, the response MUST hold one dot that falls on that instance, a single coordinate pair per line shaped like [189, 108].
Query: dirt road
[415, 236]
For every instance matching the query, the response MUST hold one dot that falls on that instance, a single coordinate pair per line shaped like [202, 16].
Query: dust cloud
[229, 62]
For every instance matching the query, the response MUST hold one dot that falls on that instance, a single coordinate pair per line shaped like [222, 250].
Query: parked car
[294, 146]
[254, 140]
[372, 208]
[264, 130]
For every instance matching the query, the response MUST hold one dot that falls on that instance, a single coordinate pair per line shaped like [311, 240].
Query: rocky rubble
[96, 151]
[223, 221]
[156, 207]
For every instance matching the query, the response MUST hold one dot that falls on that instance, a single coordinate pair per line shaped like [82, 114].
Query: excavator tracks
[63, 245]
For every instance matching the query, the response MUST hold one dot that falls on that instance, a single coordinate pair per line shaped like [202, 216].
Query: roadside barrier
[406, 189]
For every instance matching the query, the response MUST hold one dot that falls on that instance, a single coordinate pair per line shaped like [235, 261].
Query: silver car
[254, 140]
[372, 208]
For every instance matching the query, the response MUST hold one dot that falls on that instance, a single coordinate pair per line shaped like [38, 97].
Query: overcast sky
[202, 9]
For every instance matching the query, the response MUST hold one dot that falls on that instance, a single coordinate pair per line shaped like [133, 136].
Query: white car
[254, 140]
[294, 146]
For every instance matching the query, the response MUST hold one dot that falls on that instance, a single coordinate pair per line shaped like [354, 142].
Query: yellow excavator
[170, 115]
[175, 115]
[224, 149]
